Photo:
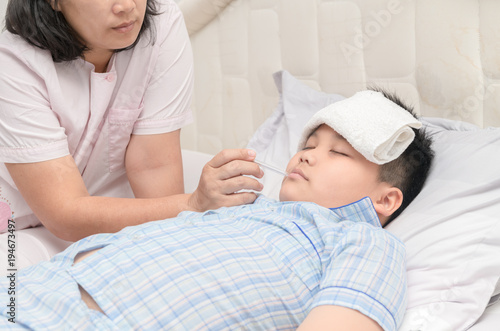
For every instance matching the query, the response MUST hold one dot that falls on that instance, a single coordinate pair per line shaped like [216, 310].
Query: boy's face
[330, 172]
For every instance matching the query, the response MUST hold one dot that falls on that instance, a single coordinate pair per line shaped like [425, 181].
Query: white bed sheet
[490, 320]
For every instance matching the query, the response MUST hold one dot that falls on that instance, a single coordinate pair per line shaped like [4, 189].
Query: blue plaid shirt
[263, 266]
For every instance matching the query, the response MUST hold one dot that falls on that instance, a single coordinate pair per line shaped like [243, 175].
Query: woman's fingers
[226, 180]
[237, 183]
[228, 155]
[231, 163]
[238, 168]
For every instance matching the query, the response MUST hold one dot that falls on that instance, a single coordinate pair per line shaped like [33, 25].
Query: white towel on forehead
[375, 126]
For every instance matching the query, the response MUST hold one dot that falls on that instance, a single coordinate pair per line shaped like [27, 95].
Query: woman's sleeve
[29, 130]
[167, 99]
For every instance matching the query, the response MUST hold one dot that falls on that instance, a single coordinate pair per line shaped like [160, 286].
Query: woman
[93, 94]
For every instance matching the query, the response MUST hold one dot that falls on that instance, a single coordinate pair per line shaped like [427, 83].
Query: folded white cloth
[375, 126]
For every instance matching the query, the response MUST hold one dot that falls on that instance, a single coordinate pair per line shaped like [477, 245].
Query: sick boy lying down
[317, 259]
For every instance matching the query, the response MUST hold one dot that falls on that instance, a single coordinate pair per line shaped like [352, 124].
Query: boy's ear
[389, 200]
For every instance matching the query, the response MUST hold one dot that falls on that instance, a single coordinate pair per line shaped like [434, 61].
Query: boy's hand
[223, 177]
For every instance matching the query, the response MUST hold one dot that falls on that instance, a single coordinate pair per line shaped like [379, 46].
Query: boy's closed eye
[339, 153]
[333, 150]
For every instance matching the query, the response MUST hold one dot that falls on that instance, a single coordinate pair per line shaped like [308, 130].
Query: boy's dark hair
[410, 170]
[40, 25]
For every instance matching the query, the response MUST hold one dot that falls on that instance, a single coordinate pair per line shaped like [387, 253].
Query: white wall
[3, 5]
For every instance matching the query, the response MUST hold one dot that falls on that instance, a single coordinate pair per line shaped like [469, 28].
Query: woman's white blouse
[49, 110]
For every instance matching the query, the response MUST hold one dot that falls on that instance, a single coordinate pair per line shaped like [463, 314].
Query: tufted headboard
[443, 57]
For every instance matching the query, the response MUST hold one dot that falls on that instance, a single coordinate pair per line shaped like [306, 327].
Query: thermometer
[267, 166]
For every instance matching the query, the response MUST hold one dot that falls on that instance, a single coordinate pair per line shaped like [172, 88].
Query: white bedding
[489, 321]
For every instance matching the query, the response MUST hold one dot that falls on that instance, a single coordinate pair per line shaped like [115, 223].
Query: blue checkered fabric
[255, 267]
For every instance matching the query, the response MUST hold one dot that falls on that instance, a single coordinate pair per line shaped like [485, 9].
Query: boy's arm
[330, 317]
[363, 283]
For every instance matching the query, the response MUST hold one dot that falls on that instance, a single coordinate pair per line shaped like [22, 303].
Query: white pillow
[451, 230]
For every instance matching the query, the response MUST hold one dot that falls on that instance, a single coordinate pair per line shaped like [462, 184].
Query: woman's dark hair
[40, 25]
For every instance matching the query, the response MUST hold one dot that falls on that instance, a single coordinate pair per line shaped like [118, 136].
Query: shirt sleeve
[366, 272]
[29, 130]
[167, 99]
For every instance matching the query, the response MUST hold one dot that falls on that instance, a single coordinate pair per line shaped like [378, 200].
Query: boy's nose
[308, 157]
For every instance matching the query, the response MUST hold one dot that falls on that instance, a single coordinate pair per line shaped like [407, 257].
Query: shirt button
[136, 237]
[119, 287]
[110, 77]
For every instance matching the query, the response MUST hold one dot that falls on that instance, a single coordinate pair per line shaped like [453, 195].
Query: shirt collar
[359, 211]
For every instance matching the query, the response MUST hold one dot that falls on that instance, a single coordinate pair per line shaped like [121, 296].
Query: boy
[270, 265]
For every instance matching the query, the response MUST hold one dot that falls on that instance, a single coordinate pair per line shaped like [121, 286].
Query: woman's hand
[224, 177]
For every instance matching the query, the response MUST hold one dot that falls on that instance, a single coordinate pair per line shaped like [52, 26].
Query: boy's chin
[284, 195]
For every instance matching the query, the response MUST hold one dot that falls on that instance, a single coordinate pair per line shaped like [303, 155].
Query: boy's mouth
[298, 173]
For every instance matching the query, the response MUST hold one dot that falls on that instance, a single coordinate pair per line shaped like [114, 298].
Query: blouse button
[110, 77]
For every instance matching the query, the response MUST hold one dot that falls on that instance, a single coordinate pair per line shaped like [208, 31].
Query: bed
[263, 67]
